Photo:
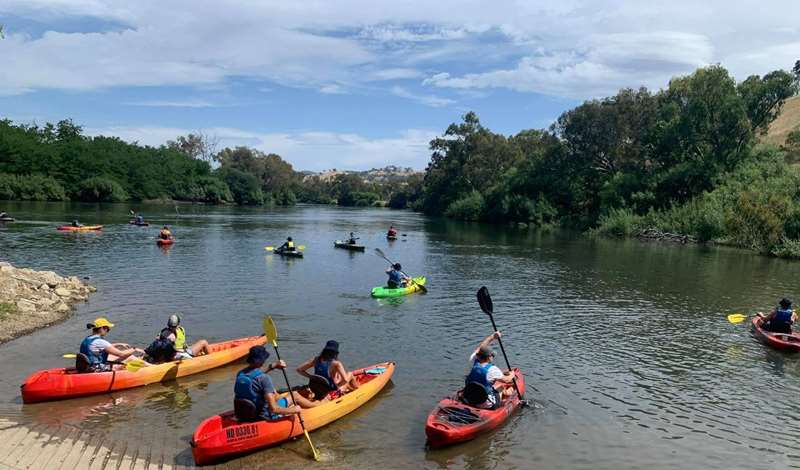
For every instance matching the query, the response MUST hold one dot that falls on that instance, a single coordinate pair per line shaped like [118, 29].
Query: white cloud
[305, 150]
[428, 100]
[332, 89]
[191, 103]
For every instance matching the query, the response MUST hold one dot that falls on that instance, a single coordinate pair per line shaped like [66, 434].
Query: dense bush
[31, 188]
[469, 207]
[100, 189]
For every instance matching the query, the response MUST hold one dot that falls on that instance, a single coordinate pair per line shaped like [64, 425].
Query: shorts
[104, 367]
[269, 416]
[180, 355]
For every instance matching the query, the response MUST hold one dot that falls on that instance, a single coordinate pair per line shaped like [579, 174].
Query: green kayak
[383, 291]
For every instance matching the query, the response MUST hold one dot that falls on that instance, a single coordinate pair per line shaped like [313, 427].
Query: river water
[625, 346]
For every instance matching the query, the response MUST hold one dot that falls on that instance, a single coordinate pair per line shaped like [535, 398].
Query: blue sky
[359, 84]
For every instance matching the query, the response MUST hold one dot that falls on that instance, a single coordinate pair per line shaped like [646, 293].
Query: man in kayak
[139, 219]
[780, 319]
[328, 366]
[352, 239]
[165, 234]
[96, 349]
[76, 224]
[397, 278]
[255, 386]
[175, 334]
[489, 375]
[288, 245]
[392, 231]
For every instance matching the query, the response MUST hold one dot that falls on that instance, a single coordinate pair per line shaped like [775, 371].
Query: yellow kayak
[383, 291]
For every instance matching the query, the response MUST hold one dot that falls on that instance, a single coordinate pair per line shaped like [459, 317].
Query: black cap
[257, 355]
[289, 238]
[397, 266]
[331, 346]
[786, 303]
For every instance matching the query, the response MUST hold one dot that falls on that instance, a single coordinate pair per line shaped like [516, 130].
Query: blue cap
[257, 355]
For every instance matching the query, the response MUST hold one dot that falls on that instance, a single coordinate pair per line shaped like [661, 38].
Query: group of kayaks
[98, 228]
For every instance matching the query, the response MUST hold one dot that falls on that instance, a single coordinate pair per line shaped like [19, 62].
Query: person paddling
[176, 334]
[397, 278]
[352, 239]
[4, 215]
[288, 245]
[75, 223]
[780, 319]
[139, 219]
[328, 366]
[392, 231]
[96, 348]
[256, 387]
[485, 373]
[165, 234]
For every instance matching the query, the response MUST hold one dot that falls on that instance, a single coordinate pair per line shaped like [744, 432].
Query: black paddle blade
[380, 253]
[485, 300]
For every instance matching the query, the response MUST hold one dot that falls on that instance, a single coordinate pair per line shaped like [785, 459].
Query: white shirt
[492, 374]
[99, 345]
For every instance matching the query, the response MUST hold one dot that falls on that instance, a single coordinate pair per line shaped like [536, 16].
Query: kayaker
[3, 215]
[780, 319]
[352, 239]
[392, 231]
[288, 245]
[397, 278]
[328, 366]
[254, 385]
[175, 334]
[487, 374]
[76, 224]
[165, 234]
[97, 349]
[139, 219]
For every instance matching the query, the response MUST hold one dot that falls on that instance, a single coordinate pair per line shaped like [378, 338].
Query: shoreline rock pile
[30, 299]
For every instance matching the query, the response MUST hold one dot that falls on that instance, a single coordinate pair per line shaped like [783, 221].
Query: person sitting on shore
[397, 278]
[288, 245]
[165, 234]
[255, 396]
[780, 319]
[328, 367]
[95, 349]
[485, 373]
[352, 239]
[175, 334]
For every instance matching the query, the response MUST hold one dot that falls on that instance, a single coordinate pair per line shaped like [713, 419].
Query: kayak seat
[245, 410]
[319, 386]
[82, 364]
[474, 394]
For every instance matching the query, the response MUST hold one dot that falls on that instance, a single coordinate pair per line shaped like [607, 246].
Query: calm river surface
[625, 345]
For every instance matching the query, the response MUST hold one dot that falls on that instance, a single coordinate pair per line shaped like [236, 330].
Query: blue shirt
[396, 277]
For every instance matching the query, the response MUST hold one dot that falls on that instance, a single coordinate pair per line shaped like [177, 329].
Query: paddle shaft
[286, 378]
[503, 350]
[423, 288]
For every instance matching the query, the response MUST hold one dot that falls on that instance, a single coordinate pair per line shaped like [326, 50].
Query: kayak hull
[7, 219]
[391, 237]
[223, 436]
[165, 242]
[781, 341]
[85, 228]
[347, 246]
[143, 224]
[452, 421]
[383, 291]
[289, 254]
[62, 383]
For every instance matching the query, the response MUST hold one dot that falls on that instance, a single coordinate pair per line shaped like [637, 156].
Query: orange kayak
[61, 383]
[223, 436]
[83, 228]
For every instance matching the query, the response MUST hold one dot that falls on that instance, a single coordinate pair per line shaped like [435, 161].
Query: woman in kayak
[328, 366]
[165, 234]
[489, 375]
[780, 319]
[396, 277]
[175, 334]
[255, 386]
[288, 245]
[97, 349]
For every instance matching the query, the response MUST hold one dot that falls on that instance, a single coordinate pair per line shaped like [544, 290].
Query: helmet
[173, 321]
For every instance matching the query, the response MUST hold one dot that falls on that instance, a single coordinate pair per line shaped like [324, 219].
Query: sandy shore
[30, 299]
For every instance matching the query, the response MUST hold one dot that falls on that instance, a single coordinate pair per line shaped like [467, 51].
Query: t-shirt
[494, 372]
[98, 346]
[263, 385]
[395, 276]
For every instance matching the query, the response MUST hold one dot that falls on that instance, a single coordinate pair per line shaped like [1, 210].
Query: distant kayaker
[288, 245]
[397, 278]
[97, 349]
[254, 385]
[487, 374]
[780, 319]
[139, 219]
[76, 224]
[175, 334]
[392, 231]
[3, 215]
[165, 234]
[328, 366]
[352, 239]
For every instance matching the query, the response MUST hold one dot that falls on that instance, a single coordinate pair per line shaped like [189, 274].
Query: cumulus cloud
[306, 150]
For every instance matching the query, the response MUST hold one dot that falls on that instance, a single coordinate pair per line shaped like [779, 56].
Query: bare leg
[305, 402]
[200, 347]
[349, 382]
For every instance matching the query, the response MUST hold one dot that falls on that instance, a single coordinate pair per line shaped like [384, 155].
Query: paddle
[421, 287]
[272, 335]
[485, 301]
[272, 248]
[131, 366]
[737, 318]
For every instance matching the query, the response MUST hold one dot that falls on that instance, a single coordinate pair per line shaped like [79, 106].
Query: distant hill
[385, 174]
[788, 121]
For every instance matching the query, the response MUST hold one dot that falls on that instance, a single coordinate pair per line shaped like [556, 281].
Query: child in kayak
[175, 334]
[96, 349]
[255, 386]
[165, 234]
[397, 278]
[288, 245]
[489, 375]
[328, 366]
[780, 319]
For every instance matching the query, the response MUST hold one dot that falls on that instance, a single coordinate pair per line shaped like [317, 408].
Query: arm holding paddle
[122, 354]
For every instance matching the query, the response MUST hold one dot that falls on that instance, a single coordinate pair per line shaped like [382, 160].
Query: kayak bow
[383, 291]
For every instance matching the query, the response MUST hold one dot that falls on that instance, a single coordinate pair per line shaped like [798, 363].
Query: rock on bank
[30, 299]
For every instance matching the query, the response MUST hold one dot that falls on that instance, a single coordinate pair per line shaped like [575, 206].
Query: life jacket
[392, 232]
[395, 277]
[162, 349]
[180, 338]
[322, 369]
[243, 389]
[782, 318]
[290, 245]
[479, 374]
[86, 349]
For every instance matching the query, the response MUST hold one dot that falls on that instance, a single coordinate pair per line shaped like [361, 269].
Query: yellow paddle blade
[69, 356]
[134, 365]
[269, 248]
[270, 331]
[313, 449]
[737, 318]
[301, 247]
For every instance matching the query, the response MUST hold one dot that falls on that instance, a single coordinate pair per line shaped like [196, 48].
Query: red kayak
[782, 341]
[165, 241]
[452, 421]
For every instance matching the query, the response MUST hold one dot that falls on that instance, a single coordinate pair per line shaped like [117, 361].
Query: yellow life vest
[180, 338]
[290, 245]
